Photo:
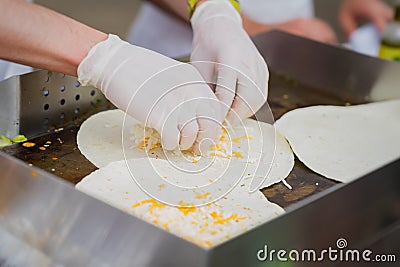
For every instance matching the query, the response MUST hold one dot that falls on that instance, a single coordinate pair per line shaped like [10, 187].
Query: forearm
[36, 36]
[253, 28]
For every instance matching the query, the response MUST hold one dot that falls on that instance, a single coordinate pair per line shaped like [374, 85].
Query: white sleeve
[273, 11]
[157, 30]
[9, 69]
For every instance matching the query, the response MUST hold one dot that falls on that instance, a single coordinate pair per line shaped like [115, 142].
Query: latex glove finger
[225, 89]
[206, 69]
[188, 129]
[208, 114]
[170, 134]
[209, 132]
[251, 92]
[247, 98]
[188, 135]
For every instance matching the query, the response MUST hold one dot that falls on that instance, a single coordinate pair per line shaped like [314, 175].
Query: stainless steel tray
[46, 219]
[43, 101]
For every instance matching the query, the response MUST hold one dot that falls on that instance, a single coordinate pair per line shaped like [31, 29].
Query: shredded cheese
[237, 139]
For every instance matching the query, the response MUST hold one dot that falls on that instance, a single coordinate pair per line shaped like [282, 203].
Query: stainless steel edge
[10, 107]
[46, 220]
[348, 211]
[37, 103]
[51, 100]
[336, 70]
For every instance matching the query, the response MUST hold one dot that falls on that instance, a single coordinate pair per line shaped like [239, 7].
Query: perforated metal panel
[40, 102]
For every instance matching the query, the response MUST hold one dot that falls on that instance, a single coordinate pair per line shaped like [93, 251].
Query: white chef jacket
[9, 69]
[157, 30]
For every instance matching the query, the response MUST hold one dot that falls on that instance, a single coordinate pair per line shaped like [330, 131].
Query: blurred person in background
[168, 19]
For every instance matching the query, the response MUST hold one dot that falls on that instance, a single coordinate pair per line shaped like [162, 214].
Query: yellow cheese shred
[237, 139]
[219, 219]
[237, 155]
[203, 196]
[154, 204]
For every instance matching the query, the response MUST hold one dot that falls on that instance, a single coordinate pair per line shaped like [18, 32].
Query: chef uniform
[9, 69]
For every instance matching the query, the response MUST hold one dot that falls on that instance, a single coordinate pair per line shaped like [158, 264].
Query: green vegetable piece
[19, 138]
[4, 141]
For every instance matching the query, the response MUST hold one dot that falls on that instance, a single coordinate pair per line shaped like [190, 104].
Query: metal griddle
[303, 73]
[63, 158]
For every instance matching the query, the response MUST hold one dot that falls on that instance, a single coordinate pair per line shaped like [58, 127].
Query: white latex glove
[166, 95]
[219, 37]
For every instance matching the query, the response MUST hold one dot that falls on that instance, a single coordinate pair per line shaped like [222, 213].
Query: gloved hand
[241, 72]
[162, 93]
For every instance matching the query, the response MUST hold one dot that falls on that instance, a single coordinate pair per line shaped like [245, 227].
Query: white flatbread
[207, 226]
[344, 143]
[100, 138]
[254, 149]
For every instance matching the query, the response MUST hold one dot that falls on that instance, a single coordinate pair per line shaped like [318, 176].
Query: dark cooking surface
[60, 155]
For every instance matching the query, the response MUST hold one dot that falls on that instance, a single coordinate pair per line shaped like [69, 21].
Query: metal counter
[43, 219]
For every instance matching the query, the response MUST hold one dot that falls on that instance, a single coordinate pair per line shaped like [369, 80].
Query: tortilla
[344, 143]
[100, 138]
[253, 148]
[207, 226]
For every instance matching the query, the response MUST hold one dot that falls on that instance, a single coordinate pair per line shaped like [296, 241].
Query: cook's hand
[241, 72]
[376, 11]
[312, 28]
[163, 93]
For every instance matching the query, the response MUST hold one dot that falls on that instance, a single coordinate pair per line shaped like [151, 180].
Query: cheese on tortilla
[208, 225]
[253, 149]
[344, 143]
